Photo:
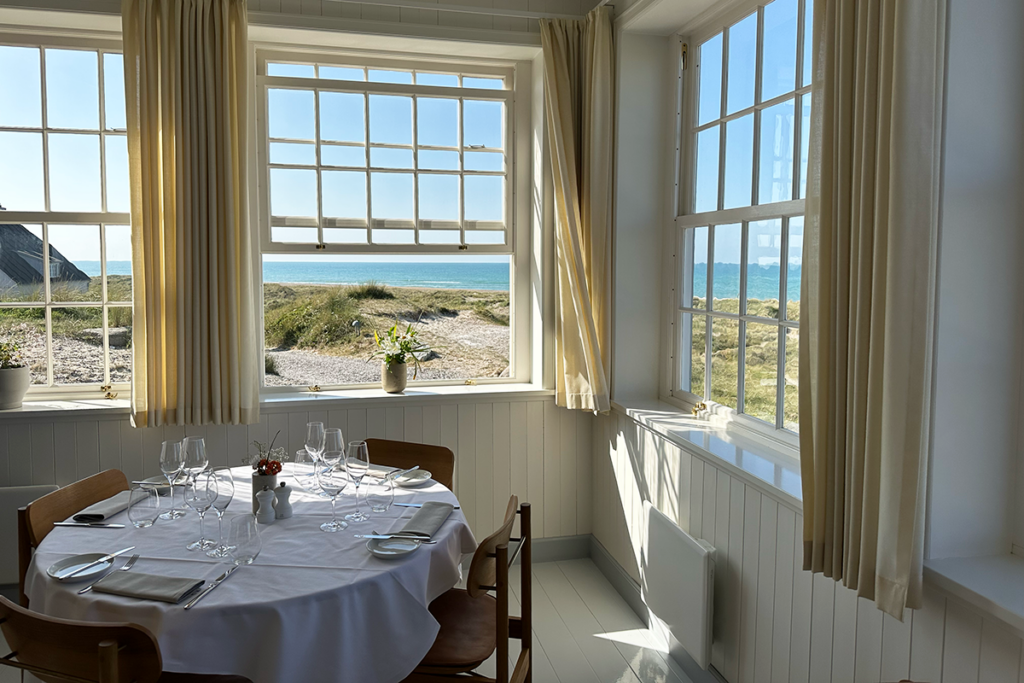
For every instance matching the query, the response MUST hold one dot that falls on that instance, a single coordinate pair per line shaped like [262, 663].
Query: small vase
[393, 377]
[13, 385]
[258, 482]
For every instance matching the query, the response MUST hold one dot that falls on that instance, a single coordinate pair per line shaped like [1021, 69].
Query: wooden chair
[65, 650]
[474, 624]
[36, 519]
[438, 460]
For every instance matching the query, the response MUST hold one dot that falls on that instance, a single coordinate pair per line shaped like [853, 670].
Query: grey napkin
[428, 519]
[104, 509]
[147, 586]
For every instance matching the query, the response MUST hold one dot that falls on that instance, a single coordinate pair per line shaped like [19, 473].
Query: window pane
[75, 263]
[778, 63]
[389, 76]
[293, 192]
[700, 268]
[724, 361]
[345, 236]
[114, 112]
[77, 345]
[764, 259]
[739, 161]
[118, 195]
[392, 195]
[775, 170]
[439, 197]
[293, 235]
[483, 124]
[706, 186]
[342, 116]
[386, 157]
[297, 153]
[450, 80]
[438, 160]
[808, 42]
[697, 328]
[488, 83]
[342, 155]
[440, 237]
[437, 122]
[74, 172]
[710, 81]
[119, 332]
[342, 73]
[485, 198]
[72, 89]
[485, 237]
[291, 70]
[119, 262]
[760, 371]
[21, 265]
[484, 161]
[292, 114]
[742, 64]
[344, 194]
[21, 171]
[393, 236]
[726, 271]
[791, 409]
[794, 267]
[27, 328]
[805, 138]
[391, 119]
[21, 104]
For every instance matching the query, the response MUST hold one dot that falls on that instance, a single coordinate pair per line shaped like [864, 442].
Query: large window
[387, 197]
[745, 123]
[65, 245]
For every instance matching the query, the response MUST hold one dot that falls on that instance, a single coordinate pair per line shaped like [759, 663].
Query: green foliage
[370, 290]
[10, 355]
[396, 346]
[323, 319]
[270, 365]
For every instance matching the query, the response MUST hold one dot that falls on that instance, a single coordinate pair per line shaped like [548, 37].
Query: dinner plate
[71, 563]
[390, 548]
[413, 479]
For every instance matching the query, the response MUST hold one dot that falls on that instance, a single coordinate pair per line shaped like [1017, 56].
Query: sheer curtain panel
[868, 293]
[579, 75]
[195, 336]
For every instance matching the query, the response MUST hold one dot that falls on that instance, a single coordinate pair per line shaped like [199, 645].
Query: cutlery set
[127, 565]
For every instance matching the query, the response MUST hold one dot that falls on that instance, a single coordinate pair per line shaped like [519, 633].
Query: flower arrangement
[395, 346]
[267, 459]
[10, 355]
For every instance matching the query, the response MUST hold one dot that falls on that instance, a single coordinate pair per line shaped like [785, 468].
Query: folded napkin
[104, 509]
[147, 586]
[428, 519]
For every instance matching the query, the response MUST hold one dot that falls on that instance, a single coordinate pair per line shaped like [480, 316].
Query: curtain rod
[465, 9]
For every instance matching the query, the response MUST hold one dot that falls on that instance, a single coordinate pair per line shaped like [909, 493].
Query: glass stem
[357, 497]
[202, 518]
[220, 527]
[334, 511]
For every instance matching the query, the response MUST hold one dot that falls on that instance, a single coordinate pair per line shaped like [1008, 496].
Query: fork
[127, 565]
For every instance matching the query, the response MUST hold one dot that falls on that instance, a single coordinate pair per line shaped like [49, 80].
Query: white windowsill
[994, 585]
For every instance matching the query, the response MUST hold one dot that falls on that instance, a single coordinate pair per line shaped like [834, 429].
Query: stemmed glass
[194, 451]
[332, 480]
[225, 492]
[171, 462]
[315, 444]
[200, 494]
[357, 462]
[334, 446]
[244, 541]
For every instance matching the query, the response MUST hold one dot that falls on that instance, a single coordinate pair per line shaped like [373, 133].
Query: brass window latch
[699, 407]
[314, 388]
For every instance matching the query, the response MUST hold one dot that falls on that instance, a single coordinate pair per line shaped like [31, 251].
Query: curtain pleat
[196, 356]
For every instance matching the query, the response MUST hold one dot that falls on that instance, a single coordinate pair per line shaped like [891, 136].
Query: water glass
[380, 493]
[200, 493]
[332, 480]
[171, 462]
[244, 541]
[357, 462]
[225, 492]
[143, 507]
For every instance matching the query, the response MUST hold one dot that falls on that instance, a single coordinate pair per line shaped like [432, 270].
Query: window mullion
[709, 292]
[741, 351]
[780, 393]
[369, 179]
[462, 171]
[415, 173]
[319, 171]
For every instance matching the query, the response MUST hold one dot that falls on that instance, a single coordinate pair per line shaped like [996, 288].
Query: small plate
[159, 483]
[390, 548]
[414, 479]
[70, 563]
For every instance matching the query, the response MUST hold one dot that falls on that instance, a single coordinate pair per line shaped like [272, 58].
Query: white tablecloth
[314, 606]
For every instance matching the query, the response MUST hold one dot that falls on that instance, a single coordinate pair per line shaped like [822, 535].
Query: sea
[762, 281]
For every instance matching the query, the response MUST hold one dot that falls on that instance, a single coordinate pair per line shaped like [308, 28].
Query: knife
[400, 473]
[418, 505]
[103, 559]
[220, 579]
[97, 525]
[399, 537]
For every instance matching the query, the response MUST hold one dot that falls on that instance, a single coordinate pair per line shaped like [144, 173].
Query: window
[65, 244]
[388, 196]
[741, 234]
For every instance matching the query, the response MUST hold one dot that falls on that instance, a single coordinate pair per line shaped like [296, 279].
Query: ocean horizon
[762, 281]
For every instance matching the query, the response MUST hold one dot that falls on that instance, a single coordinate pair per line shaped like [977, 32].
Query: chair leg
[108, 662]
[24, 555]
[501, 666]
[526, 586]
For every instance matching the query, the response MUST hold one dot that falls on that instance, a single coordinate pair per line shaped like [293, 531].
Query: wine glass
[171, 462]
[332, 480]
[357, 462]
[380, 493]
[244, 542]
[303, 472]
[143, 507]
[315, 439]
[200, 493]
[225, 492]
[193, 449]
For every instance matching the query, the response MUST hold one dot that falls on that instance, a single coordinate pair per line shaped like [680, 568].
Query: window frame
[682, 226]
[87, 219]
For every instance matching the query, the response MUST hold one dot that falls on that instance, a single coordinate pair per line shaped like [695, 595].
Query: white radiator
[678, 584]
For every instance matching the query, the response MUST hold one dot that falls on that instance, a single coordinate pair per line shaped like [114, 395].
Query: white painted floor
[583, 630]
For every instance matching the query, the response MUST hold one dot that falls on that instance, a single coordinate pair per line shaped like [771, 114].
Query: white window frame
[681, 238]
[102, 218]
[517, 215]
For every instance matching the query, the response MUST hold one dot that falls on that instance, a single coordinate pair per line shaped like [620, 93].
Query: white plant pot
[13, 385]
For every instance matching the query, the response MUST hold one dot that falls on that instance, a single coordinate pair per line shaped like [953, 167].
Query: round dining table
[314, 606]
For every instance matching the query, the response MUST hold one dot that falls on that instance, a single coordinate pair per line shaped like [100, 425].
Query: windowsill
[285, 401]
[763, 465]
[994, 584]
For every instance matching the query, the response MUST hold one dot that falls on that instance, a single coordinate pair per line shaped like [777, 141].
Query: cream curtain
[195, 332]
[867, 298]
[578, 88]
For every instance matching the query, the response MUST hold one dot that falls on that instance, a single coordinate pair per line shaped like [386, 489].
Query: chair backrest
[62, 503]
[483, 569]
[12, 498]
[80, 650]
[440, 461]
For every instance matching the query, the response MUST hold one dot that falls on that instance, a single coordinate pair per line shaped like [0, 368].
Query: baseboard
[561, 548]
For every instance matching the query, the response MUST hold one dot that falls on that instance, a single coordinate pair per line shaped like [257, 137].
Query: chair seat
[175, 677]
[468, 632]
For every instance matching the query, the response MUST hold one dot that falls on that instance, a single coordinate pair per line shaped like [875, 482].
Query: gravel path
[74, 361]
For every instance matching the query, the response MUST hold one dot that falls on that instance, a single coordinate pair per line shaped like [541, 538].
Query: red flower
[273, 467]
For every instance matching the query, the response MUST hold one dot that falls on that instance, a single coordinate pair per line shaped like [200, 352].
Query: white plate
[71, 563]
[159, 483]
[390, 548]
[414, 479]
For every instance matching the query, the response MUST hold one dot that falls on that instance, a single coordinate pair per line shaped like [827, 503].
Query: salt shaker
[284, 506]
[265, 499]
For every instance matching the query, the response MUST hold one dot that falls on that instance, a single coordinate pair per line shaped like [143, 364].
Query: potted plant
[395, 349]
[14, 376]
[266, 465]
